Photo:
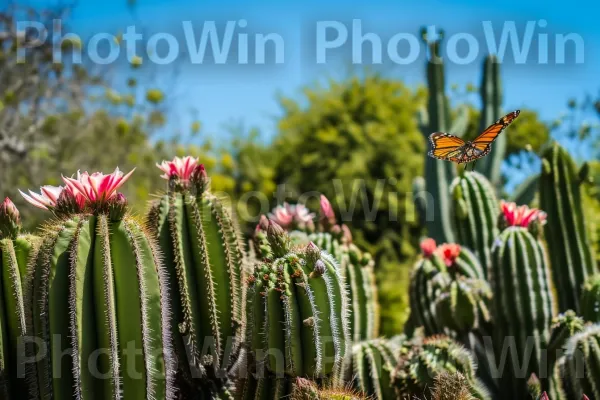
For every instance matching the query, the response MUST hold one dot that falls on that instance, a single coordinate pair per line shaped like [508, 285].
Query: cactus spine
[16, 254]
[590, 299]
[523, 303]
[570, 250]
[475, 214]
[369, 368]
[299, 310]
[204, 257]
[421, 362]
[98, 284]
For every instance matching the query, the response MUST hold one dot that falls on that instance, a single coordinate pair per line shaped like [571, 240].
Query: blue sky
[230, 93]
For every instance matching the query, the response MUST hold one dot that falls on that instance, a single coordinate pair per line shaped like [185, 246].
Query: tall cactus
[475, 214]
[580, 367]
[423, 360]
[491, 100]
[523, 303]
[590, 299]
[568, 245]
[438, 173]
[369, 368]
[299, 307]
[17, 252]
[204, 258]
[97, 299]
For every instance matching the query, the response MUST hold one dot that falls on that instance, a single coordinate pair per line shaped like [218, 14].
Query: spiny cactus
[98, 285]
[370, 366]
[464, 305]
[263, 388]
[421, 361]
[17, 252]
[580, 368]
[590, 299]
[523, 303]
[568, 244]
[205, 260]
[303, 389]
[491, 99]
[299, 307]
[475, 214]
[451, 386]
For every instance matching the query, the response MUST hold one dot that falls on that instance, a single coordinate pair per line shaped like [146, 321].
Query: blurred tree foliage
[357, 142]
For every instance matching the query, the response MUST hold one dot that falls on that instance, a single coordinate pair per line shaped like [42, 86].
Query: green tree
[357, 142]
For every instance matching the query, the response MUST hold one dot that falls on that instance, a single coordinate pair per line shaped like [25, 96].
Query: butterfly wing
[482, 143]
[446, 147]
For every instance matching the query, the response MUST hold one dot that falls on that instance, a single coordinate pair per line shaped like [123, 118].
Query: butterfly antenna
[473, 167]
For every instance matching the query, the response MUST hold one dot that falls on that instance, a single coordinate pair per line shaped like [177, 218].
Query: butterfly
[445, 146]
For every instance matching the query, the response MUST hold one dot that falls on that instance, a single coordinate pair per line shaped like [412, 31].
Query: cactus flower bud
[428, 247]
[278, 239]
[313, 253]
[263, 224]
[327, 215]
[10, 220]
[318, 269]
[117, 207]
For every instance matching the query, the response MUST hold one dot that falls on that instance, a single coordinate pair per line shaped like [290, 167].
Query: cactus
[438, 173]
[421, 361]
[17, 252]
[299, 307]
[590, 299]
[370, 366]
[263, 388]
[98, 285]
[579, 369]
[204, 258]
[451, 387]
[568, 245]
[463, 305]
[303, 389]
[564, 326]
[523, 304]
[475, 214]
[491, 100]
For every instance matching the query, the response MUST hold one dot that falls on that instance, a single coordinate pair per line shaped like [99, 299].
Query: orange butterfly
[452, 148]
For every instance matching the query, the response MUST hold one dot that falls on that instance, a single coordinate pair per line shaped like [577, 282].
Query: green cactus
[491, 100]
[303, 389]
[98, 284]
[579, 369]
[564, 326]
[438, 173]
[523, 305]
[451, 386]
[475, 214]
[267, 387]
[204, 257]
[424, 359]
[369, 368]
[428, 278]
[299, 310]
[590, 299]
[568, 245]
[17, 252]
[464, 305]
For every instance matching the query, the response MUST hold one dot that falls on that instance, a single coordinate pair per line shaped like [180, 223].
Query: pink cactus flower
[449, 252]
[428, 247]
[521, 215]
[327, 213]
[182, 168]
[46, 199]
[97, 188]
[302, 215]
[282, 215]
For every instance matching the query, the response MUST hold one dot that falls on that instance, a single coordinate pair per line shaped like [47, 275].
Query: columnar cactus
[523, 303]
[475, 214]
[580, 367]
[16, 255]
[97, 299]
[568, 244]
[299, 307]
[263, 388]
[369, 368]
[420, 363]
[590, 299]
[204, 258]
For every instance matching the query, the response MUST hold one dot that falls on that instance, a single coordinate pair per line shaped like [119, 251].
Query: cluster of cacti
[204, 258]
